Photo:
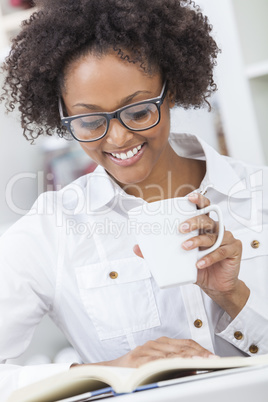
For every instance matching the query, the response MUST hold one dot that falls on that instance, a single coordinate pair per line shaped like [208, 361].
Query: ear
[171, 99]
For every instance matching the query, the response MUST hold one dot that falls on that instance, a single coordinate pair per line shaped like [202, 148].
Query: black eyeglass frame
[158, 101]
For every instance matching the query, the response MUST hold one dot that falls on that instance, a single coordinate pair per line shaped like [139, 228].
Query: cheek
[92, 150]
[160, 133]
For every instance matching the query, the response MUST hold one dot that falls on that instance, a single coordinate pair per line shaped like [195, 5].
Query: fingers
[182, 347]
[161, 348]
[200, 200]
[231, 251]
[137, 251]
[230, 248]
[200, 222]
[203, 223]
[167, 347]
[208, 232]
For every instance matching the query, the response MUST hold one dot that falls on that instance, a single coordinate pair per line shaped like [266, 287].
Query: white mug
[156, 228]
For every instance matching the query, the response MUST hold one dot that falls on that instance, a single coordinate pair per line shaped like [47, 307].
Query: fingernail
[201, 263]
[193, 196]
[213, 357]
[188, 244]
[184, 227]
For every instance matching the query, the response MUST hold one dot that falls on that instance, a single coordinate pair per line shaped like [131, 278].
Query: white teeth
[129, 154]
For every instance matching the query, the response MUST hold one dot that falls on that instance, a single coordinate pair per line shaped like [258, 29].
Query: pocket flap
[110, 273]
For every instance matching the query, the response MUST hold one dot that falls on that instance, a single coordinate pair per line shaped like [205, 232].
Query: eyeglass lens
[136, 117]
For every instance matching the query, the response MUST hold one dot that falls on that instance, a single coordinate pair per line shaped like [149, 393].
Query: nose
[118, 135]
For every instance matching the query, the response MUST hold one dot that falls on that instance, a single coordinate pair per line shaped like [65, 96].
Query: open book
[97, 379]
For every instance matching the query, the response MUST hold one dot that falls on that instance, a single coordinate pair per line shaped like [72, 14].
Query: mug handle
[217, 244]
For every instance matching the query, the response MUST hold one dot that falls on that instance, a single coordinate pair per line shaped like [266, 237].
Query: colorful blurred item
[64, 164]
[22, 3]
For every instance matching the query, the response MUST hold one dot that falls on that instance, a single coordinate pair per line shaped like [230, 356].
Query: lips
[128, 154]
[128, 157]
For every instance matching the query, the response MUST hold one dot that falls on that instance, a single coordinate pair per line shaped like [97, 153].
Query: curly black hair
[170, 36]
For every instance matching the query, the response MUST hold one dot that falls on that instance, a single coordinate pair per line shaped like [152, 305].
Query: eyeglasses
[94, 126]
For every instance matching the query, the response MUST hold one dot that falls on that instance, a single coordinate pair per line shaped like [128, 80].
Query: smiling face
[104, 84]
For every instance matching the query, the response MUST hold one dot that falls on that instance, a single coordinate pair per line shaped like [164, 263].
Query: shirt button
[238, 335]
[198, 323]
[113, 275]
[255, 244]
[253, 349]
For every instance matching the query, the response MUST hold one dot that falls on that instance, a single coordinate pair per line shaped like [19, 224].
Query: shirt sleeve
[28, 271]
[13, 377]
[249, 330]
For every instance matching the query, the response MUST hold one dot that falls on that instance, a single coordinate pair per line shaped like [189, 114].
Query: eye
[140, 114]
[88, 126]
[91, 123]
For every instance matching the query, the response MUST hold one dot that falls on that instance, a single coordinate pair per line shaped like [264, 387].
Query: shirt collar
[219, 174]
[106, 188]
[100, 189]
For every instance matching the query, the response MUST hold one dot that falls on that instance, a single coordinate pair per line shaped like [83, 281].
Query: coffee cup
[156, 228]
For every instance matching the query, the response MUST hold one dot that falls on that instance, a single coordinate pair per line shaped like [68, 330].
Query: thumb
[137, 251]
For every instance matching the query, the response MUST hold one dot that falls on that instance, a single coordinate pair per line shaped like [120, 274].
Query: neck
[173, 176]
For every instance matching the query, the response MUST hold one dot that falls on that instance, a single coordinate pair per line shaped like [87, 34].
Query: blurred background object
[237, 126]
[22, 3]
[64, 162]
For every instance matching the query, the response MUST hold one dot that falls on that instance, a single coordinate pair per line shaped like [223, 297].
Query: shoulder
[67, 200]
[255, 175]
[49, 209]
[243, 166]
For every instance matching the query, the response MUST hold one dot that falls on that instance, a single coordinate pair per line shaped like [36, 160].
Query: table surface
[245, 384]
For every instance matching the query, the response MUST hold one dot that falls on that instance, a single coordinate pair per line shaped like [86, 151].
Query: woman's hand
[218, 271]
[160, 348]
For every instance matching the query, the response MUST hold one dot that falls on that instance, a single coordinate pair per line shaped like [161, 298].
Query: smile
[128, 158]
[127, 155]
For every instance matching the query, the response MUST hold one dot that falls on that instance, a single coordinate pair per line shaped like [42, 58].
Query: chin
[130, 176]
[129, 181]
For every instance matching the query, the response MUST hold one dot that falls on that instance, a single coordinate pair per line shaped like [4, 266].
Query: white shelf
[251, 19]
[259, 92]
[11, 22]
[257, 70]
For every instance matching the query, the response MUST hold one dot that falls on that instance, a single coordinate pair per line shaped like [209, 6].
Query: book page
[92, 378]
[163, 369]
[76, 381]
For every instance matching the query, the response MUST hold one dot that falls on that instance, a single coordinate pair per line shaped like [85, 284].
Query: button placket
[113, 275]
[198, 323]
[194, 304]
[238, 335]
[255, 244]
[253, 349]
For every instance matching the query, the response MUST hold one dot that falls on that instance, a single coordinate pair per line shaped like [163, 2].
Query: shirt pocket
[118, 296]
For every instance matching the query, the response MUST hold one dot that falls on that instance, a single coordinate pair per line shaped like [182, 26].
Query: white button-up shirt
[59, 260]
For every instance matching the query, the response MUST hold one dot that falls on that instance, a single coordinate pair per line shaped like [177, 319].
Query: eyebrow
[124, 101]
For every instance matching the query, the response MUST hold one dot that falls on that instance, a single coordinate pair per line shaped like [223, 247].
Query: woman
[109, 72]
